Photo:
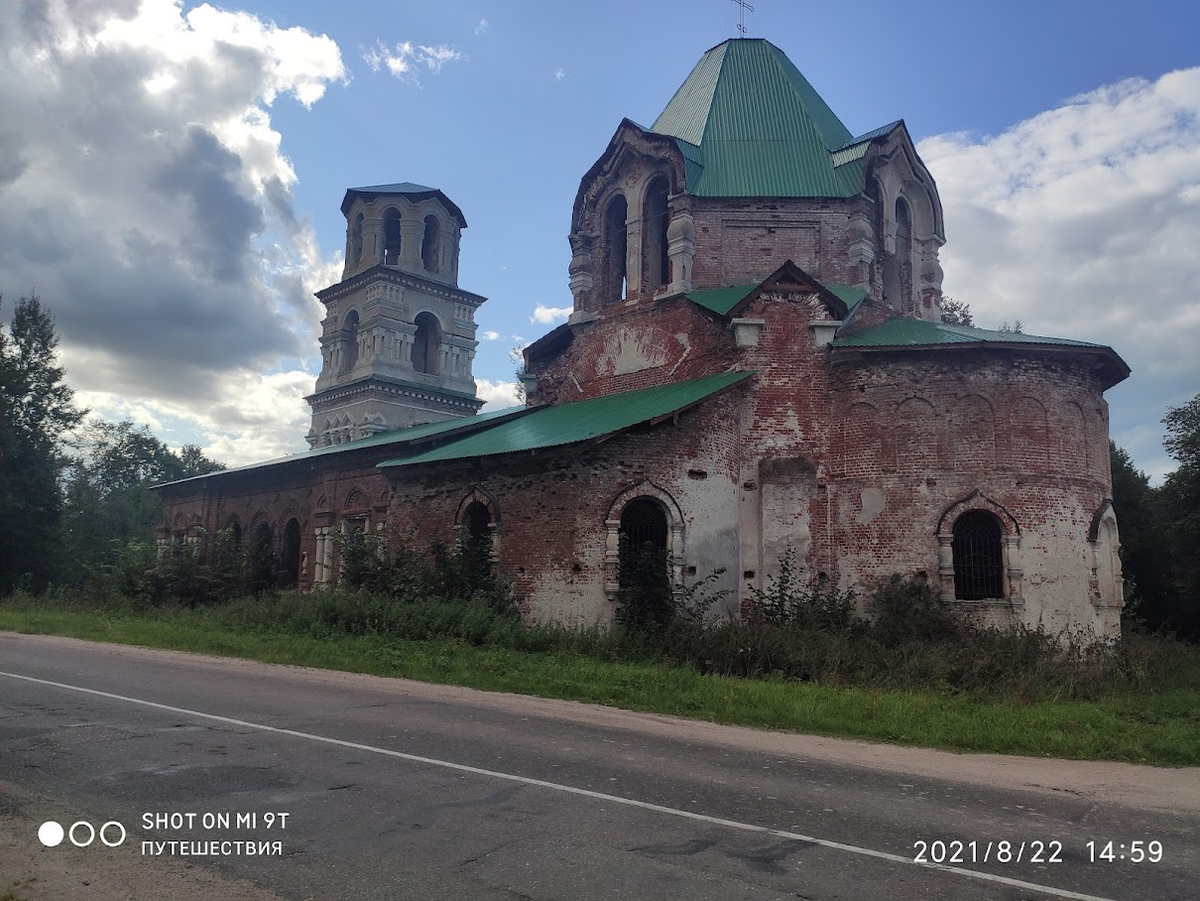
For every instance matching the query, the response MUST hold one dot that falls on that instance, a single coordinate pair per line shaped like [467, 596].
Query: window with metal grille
[978, 557]
[643, 522]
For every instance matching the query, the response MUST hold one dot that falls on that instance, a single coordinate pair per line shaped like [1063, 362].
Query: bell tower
[398, 338]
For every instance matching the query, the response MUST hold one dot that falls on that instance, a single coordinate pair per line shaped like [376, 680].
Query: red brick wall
[742, 242]
[636, 346]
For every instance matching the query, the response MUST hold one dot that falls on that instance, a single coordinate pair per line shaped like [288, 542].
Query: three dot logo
[81, 834]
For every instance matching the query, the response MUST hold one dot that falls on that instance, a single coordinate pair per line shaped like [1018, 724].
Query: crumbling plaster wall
[553, 507]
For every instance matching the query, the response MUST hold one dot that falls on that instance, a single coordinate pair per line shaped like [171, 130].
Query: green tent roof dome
[756, 127]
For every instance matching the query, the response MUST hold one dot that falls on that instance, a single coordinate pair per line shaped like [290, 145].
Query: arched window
[350, 341]
[425, 344]
[904, 255]
[261, 558]
[477, 518]
[356, 240]
[391, 236]
[429, 244]
[978, 557]
[644, 570]
[615, 249]
[291, 553]
[654, 232]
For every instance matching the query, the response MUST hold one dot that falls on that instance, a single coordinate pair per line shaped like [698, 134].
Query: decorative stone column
[681, 248]
[411, 233]
[946, 565]
[612, 558]
[1012, 562]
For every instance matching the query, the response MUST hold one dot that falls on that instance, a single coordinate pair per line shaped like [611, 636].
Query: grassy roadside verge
[1158, 727]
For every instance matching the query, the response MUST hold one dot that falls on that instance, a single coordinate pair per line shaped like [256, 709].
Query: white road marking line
[587, 793]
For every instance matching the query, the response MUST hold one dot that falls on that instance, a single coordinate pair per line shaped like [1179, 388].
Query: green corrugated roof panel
[761, 129]
[905, 332]
[847, 294]
[720, 300]
[398, 437]
[583, 420]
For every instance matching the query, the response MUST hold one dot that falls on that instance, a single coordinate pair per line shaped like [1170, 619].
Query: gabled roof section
[788, 277]
[414, 192]
[399, 439]
[904, 333]
[588, 420]
[721, 300]
[856, 148]
[750, 125]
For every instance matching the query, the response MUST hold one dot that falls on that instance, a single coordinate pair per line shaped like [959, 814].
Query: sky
[171, 173]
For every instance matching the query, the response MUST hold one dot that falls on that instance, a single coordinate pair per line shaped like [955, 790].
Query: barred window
[978, 557]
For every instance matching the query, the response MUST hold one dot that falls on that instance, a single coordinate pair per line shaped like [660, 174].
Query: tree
[1180, 501]
[1137, 508]
[108, 496]
[956, 312]
[36, 409]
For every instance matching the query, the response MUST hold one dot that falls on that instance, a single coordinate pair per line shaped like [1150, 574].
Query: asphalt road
[396, 790]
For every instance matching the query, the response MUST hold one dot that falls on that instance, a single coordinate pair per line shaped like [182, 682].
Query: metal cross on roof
[743, 6]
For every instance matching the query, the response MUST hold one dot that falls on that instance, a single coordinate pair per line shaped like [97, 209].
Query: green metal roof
[850, 295]
[723, 300]
[907, 332]
[903, 333]
[720, 300]
[584, 420]
[397, 437]
[750, 125]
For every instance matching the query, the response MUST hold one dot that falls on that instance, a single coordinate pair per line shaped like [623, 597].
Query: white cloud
[1083, 222]
[549, 315]
[406, 58]
[560, 74]
[144, 191]
[490, 335]
[482, 27]
[498, 395]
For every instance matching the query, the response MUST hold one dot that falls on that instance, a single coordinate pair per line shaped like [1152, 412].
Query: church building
[755, 363]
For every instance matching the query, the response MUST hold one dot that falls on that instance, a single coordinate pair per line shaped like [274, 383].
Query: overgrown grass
[1139, 701]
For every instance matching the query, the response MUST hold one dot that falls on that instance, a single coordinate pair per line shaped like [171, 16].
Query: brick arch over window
[1009, 540]
[612, 534]
[357, 499]
[468, 516]
[1108, 585]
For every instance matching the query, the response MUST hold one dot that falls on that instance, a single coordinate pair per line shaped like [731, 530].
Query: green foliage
[909, 610]
[108, 501]
[1160, 530]
[956, 312]
[646, 599]
[36, 408]
[792, 600]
